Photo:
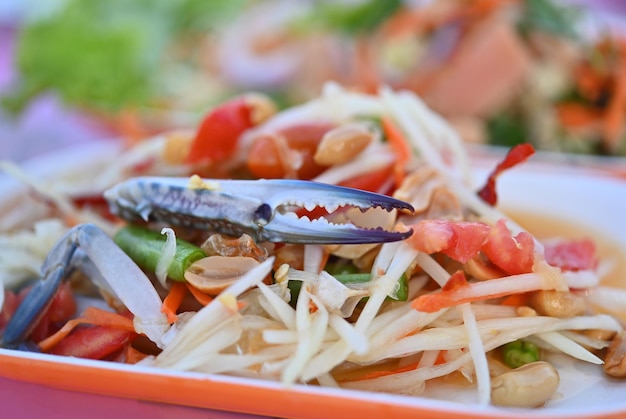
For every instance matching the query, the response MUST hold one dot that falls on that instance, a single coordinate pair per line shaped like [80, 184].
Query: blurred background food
[501, 71]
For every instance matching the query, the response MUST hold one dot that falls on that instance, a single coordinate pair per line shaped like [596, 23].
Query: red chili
[515, 156]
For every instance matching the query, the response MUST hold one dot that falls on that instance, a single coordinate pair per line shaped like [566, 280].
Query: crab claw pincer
[121, 275]
[265, 209]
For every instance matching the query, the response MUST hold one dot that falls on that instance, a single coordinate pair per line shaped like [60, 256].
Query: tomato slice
[63, 304]
[371, 182]
[459, 240]
[218, 134]
[62, 308]
[514, 255]
[93, 342]
[11, 302]
[572, 255]
[288, 153]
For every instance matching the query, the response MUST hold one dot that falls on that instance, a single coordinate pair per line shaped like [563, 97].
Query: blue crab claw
[264, 209]
[122, 276]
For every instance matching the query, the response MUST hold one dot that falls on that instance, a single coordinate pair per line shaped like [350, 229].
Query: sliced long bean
[144, 246]
[353, 279]
[520, 352]
[347, 274]
[359, 278]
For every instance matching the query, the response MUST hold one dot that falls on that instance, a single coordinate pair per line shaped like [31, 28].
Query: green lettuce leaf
[107, 54]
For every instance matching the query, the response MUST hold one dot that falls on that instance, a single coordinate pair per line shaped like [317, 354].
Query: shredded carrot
[129, 125]
[366, 74]
[593, 82]
[400, 147]
[133, 355]
[441, 358]
[384, 373]
[71, 220]
[430, 303]
[461, 293]
[324, 261]
[458, 291]
[411, 21]
[92, 315]
[51, 341]
[200, 296]
[615, 115]
[173, 300]
[313, 308]
[516, 300]
[100, 317]
[480, 9]
[577, 115]
[589, 81]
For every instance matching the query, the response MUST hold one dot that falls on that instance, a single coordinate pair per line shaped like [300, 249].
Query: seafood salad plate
[344, 253]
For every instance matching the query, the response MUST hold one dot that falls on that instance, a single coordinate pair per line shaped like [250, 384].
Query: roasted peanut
[341, 144]
[525, 311]
[561, 304]
[615, 359]
[599, 334]
[177, 146]
[418, 187]
[261, 107]
[214, 273]
[482, 270]
[530, 385]
[444, 204]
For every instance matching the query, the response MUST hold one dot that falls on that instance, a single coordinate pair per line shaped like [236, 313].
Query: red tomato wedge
[572, 255]
[219, 131]
[288, 152]
[62, 307]
[460, 240]
[11, 302]
[514, 255]
[372, 181]
[93, 342]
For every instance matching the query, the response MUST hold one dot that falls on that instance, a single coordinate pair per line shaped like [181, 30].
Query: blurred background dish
[548, 72]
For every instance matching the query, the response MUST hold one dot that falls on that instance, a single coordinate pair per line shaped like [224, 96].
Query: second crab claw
[265, 209]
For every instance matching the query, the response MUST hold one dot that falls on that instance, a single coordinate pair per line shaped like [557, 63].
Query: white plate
[595, 204]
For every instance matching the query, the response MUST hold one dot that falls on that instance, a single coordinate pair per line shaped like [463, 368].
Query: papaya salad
[438, 283]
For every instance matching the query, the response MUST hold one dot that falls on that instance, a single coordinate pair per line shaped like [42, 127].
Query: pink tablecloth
[25, 400]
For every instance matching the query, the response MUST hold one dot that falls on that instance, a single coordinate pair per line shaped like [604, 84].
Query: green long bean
[145, 246]
[519, 352]
[355, 278]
